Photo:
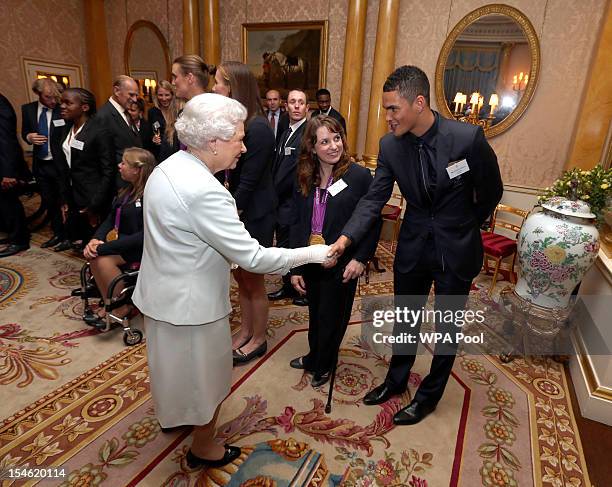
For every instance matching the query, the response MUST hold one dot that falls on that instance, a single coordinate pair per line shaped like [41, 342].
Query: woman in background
[143, 127]
[329, 186]
[251, 186]
[83, 153]
[162, 117]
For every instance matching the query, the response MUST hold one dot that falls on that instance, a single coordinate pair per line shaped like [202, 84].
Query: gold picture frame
[287, 55]
[40, 68]
[534, 53]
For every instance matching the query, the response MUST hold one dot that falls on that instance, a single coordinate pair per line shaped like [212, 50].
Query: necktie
[428, 172]
[43, 129]
[273, 122]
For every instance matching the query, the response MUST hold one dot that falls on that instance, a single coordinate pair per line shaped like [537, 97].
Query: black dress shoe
[379, 394]
[413, 413]
[282, 293]
[319, 379]
[298, 363]
[242, 358]
[52, 242]
[13, 249]
[300, 301]
[63, 245]
[231, 453]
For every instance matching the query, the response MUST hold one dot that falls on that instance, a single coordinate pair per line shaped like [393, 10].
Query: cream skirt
[190, 369]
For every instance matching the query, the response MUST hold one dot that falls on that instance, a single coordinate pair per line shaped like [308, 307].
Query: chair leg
[497, 264]
[512, 275]
[486, 264]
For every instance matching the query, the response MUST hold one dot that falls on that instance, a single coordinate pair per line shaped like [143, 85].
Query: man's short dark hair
[322, 91]
[410, 81]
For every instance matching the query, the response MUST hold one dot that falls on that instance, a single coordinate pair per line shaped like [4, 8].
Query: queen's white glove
[313, 254]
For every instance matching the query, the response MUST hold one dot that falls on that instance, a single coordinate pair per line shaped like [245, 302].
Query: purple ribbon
[319, 206]
[118, 212]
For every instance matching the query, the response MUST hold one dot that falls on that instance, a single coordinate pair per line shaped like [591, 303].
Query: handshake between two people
[353, 269]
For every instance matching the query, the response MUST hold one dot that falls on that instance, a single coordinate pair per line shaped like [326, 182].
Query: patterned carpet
[79, 401]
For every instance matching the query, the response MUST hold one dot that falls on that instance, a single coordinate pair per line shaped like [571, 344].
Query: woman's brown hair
[143, 159]
[308, 163]
[243, 86]
[194, 64]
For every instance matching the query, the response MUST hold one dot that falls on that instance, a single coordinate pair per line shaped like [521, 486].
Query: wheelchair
[89, 291]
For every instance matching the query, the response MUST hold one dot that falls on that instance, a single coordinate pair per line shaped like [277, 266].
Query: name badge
[138, 204]
[77, 144]
[338, 186]
[288, 150]
[60, 122]
[457, 168]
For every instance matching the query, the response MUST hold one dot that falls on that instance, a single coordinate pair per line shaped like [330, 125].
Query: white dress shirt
[66, 145]
[121, 111]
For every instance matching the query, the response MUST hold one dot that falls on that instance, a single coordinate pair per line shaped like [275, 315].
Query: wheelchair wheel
[132, 337]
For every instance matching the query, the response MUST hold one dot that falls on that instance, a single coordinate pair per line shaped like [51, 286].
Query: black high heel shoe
[242, 344]
[242, 358]
[231, 453]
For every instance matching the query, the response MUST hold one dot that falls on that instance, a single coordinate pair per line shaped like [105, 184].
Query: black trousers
[282, 240]
[411, 291]
[47, 177]
[13, 217]
[330, 302]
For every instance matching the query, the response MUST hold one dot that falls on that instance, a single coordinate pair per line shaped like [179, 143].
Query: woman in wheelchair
[118, 242]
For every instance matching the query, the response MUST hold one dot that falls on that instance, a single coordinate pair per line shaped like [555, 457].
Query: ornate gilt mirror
[147, 56]
[488, 68]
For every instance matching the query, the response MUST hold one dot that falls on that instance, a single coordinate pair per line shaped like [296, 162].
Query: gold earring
[215, 152]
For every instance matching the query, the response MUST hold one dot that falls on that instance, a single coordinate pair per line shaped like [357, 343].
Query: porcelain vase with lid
[556, 248]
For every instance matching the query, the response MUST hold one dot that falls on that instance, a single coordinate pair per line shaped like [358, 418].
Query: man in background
[39, 119]
[276, 115]
[13, 171]
[324, 101]
[116, 120]
[284, 175]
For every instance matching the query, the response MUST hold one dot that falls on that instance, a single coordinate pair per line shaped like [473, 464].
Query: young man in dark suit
[450, 179]
[324, 101]
[13, 170]
[39, 120]
[115, 119]
[284, 176]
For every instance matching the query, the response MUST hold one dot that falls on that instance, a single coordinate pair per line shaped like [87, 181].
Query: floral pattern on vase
[556, 248]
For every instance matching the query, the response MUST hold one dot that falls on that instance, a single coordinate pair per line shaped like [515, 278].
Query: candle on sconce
[147, 83]
[515, 80]
[457, 101]
[526, 79]
[474, 100]
[462, 102]
[153, 84]
[493, 101]
[520, 76]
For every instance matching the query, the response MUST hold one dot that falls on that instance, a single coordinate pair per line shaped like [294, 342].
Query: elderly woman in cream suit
[192, 235]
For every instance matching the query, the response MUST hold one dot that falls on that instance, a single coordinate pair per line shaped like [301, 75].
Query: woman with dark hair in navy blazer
[84, 155]
[329, 186]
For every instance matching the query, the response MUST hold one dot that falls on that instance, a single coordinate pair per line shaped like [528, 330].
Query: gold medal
[315, 239]
[112, 235]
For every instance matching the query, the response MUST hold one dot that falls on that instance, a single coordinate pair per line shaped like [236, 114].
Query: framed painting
[286, 56]
[67, 75]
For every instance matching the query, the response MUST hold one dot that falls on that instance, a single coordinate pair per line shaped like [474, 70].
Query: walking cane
[332, 379]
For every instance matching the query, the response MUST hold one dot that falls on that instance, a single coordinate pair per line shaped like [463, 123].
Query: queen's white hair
[208, 117]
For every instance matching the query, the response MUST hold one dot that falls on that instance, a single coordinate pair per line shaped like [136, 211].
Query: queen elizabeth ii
[192, 235]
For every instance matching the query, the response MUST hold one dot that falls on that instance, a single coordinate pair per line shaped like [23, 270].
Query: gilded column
[596, 110]
[191, 27]
[351, 72]
[212, 44]
[384, 60]
[98, 61]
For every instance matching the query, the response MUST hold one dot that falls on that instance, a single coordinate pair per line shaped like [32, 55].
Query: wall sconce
[519, 82]
[476, 104]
